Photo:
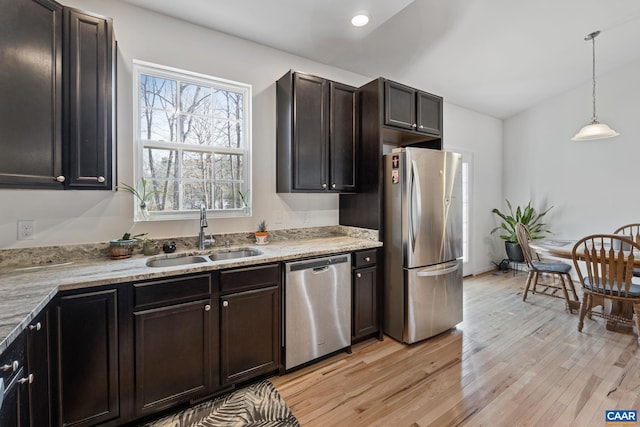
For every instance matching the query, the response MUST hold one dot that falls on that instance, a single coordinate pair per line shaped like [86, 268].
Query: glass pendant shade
[594, 130]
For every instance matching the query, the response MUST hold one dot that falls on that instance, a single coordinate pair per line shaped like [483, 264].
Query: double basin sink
[196, 259]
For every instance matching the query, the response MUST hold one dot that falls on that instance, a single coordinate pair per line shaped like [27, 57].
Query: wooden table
[564, 249]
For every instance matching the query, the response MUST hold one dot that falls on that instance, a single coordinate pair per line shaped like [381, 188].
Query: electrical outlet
[26, 229]
[277, 217]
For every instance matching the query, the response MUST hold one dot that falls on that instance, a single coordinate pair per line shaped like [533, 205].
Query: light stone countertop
[24, 292]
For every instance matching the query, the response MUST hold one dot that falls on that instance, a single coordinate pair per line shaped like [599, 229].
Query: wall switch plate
[277, 217]
[26, 229]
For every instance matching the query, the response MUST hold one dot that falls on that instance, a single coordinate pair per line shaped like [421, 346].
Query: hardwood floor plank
[509, 363]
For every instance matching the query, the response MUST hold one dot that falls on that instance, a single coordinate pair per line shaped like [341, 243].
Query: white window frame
[147, 68]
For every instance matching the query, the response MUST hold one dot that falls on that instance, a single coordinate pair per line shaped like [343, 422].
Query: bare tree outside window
[193, 142]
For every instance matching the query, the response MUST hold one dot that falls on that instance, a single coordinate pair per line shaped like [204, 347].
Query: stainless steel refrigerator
[422, 243]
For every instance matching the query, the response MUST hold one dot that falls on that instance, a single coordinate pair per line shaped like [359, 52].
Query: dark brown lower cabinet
[172, 354]
[38, 364]
[174, 341]
[249, 334]
[14, 410]
[249, 322]
[85, 358]
[365, 292]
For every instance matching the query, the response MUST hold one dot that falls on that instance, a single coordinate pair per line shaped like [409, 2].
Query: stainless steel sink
[172, 262]
[234, 253]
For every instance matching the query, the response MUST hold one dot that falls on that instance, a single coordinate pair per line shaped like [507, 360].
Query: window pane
[157, 125]
[228, 105]
[196, 165]
[228, 167]
[195, 99]
[196, 193]
[226, 196]
[167, 198]
[159, 163]
[156, 92]
[196, 129]
[227, 134]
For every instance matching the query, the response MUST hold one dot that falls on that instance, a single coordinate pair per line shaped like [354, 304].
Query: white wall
[64, 217]
[592, 185]
[479, 138]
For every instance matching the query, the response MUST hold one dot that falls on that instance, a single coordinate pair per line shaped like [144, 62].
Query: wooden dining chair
[631, 231]
[537, 268]
[608, 270]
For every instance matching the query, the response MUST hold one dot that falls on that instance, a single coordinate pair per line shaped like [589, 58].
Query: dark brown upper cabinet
[31, 88]
[57, 81]
[412, 109]
[89, 70]
[316, 135]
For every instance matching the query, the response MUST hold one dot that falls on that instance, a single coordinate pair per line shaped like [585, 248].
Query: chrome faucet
[202, 241]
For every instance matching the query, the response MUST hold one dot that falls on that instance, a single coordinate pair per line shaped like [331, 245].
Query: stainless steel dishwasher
[317, 308]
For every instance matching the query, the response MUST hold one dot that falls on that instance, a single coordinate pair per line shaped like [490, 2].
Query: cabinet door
[31, 102]
[342, 137]
[249, 334]
[172, 355]
[86, 358]
[310, 133]
[429, 112]
[365, 302]
[88, 129]
[399, 105]
[14, 411]
[38, 365]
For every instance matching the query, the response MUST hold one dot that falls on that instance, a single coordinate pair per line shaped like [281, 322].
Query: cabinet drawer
[172, 290]
[364, 258]
[249, 278]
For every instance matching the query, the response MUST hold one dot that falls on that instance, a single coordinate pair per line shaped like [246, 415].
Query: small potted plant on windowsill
[123, 247]
[262, 233]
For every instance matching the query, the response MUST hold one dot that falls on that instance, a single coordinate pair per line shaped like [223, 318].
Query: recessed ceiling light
[360, 19]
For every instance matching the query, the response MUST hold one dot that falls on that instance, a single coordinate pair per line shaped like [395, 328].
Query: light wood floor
[510, 363]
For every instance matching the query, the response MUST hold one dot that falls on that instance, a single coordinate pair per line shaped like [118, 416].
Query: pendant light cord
[594, 119]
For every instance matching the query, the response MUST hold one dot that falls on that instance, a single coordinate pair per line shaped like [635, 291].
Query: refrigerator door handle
[415, 204]
[439, 270]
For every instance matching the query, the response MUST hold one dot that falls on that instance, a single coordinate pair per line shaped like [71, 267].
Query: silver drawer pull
[101, 179]
[367, 259]
[27, 379]
[225, 303]
[60, 178]
[207, 307]
[324, 185]
[35, 327]
[359, 275]
[12, 367]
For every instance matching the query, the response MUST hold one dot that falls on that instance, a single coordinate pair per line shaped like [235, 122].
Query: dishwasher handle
[313, 264]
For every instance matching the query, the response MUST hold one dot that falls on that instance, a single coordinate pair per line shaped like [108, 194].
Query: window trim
[157, 70]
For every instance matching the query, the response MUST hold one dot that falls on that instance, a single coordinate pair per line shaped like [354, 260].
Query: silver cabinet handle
[324, 185]
[367, 258]
[225, 303]
[359, 275]
[207, 307]
[101, 179]
[421, 127]
[60, 178]
[35, 327]
[414, 126]
[27, 379]
[12, 367]
[333, 186]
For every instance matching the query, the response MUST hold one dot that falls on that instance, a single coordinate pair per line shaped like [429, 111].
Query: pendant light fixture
[595, 129]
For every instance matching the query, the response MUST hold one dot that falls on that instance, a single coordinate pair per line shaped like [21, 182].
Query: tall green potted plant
[525, 215]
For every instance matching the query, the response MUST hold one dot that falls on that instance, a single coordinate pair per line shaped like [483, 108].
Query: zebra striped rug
[258, 404]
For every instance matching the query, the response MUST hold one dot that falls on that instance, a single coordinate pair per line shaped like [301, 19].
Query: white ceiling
[497, 57]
